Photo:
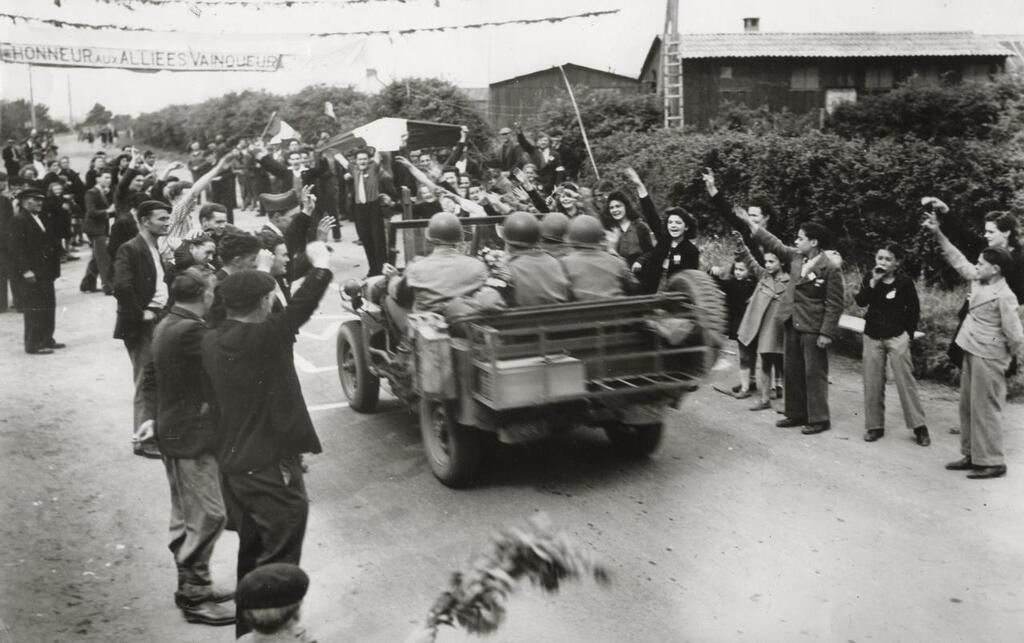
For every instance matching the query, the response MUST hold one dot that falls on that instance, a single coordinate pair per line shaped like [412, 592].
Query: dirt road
[733, 531]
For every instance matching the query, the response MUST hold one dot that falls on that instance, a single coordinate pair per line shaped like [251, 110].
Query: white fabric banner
[169, 59]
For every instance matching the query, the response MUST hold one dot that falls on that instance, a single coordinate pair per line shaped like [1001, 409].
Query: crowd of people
[207, 313]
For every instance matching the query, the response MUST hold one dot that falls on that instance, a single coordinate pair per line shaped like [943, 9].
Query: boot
[921, 436]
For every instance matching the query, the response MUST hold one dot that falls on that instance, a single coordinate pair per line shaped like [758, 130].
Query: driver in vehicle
[431, 282]
[536, 277]
[595, 273]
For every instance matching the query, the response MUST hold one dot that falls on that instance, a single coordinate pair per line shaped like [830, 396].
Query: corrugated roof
[870, 44]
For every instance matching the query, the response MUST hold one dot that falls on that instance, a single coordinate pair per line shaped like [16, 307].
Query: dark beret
[280, 202]
[148, 207]
[273, 585]
[31, 193]
[243, 289]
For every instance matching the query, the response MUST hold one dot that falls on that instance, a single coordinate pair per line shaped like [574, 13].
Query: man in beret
[263, 425]
[269, 601]
[141, 299]
[36, 249]
[186, 433]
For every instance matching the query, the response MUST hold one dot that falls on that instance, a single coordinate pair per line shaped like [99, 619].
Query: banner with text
[137, 59]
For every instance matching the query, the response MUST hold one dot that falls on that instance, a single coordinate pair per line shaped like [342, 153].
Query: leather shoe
[820, 427]
[39, 351]
[982, 473]
[761, 406]
[210, 613]
[213, 596]
[148, 450]
[786, 423]
[56, 345]
[873, 434]
[963, 464]
[921, 436]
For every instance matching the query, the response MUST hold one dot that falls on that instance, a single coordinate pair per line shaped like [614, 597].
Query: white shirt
[160, 294]
[360, 188]
[39, 222]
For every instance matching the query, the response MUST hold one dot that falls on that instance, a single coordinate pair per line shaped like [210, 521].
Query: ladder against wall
[672, 74]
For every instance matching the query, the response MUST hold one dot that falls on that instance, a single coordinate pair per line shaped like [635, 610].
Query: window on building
[836, 97]
[804, 78]
[725, 71]
[878, 78]
[977, 73]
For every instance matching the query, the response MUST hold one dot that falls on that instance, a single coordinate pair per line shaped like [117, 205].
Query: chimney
[751, 25]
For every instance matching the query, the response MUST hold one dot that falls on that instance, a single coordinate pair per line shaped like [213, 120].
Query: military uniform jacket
[538, 278]
[598, 274]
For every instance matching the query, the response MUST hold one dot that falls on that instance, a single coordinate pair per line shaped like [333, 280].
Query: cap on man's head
[31, 193]
[280, 202]
[505, 130]
[273, 585]
[243, 289]
[146, 208]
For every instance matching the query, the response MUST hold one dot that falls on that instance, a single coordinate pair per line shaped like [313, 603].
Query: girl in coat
[759, 328]
[889, 326]
[990, 335]
[673, 249]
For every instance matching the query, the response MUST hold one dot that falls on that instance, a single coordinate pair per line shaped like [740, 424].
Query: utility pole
[71, 119]
[31, 98]
[672, 67]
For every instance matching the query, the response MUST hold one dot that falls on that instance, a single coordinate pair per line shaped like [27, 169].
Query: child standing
[991, 334]
[889, 325]
[738, 288]
[759, 328]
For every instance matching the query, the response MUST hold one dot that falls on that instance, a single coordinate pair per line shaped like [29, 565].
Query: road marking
[327, 407]
[307, 366]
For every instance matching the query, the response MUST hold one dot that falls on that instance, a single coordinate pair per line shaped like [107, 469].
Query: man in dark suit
[36, 249]
[99, 208]
[141, 299]
[287, 219]
[264, 426]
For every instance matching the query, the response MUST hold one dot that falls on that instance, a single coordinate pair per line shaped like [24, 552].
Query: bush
[14, 114]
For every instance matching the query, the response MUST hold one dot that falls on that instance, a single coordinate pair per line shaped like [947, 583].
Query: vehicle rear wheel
[635, 441]
[453, 451]
[708, 309]
[361, 387]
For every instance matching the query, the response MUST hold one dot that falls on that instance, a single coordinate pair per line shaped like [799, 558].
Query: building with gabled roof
[813, 72]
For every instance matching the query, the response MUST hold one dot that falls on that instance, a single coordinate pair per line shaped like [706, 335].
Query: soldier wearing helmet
[536, 277]
[552, 234]
[594, 273]
[430, 282]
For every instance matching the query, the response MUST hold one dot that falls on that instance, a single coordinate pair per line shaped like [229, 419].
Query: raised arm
[770, 243]
[953, 256]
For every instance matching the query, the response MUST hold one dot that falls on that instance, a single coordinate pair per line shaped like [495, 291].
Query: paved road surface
[733, 531]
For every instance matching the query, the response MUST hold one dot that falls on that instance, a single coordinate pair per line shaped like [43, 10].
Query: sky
[469, 58]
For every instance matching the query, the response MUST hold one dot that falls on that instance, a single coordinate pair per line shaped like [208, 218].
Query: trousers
[99, 266]
[269, 507]
[895, 351]
[140, 352]
[982, 395]
[806, 377]
[197, 520]
[370, 229]
[39, 308]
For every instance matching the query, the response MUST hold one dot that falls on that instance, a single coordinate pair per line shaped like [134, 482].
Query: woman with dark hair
[96, 166]
[628, 235]
[673, 249]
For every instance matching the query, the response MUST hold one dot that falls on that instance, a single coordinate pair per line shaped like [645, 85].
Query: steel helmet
[521, 229]
[585, 230]
[553, 226]
[444, 228]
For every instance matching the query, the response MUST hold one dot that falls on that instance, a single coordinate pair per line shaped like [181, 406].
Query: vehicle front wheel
[635, 441]
[453, 451]
[361, 387]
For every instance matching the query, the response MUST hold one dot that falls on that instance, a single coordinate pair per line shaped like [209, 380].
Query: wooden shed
[805, 72]
[515, 99]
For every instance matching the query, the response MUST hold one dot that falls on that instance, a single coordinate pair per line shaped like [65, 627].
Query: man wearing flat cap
[263, 424]
[141, 301]
[269, 601]
[36, 249]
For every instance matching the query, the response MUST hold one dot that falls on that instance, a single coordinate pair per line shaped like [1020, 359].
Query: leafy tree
[433, 99]
[98, 115]
[16, 119]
